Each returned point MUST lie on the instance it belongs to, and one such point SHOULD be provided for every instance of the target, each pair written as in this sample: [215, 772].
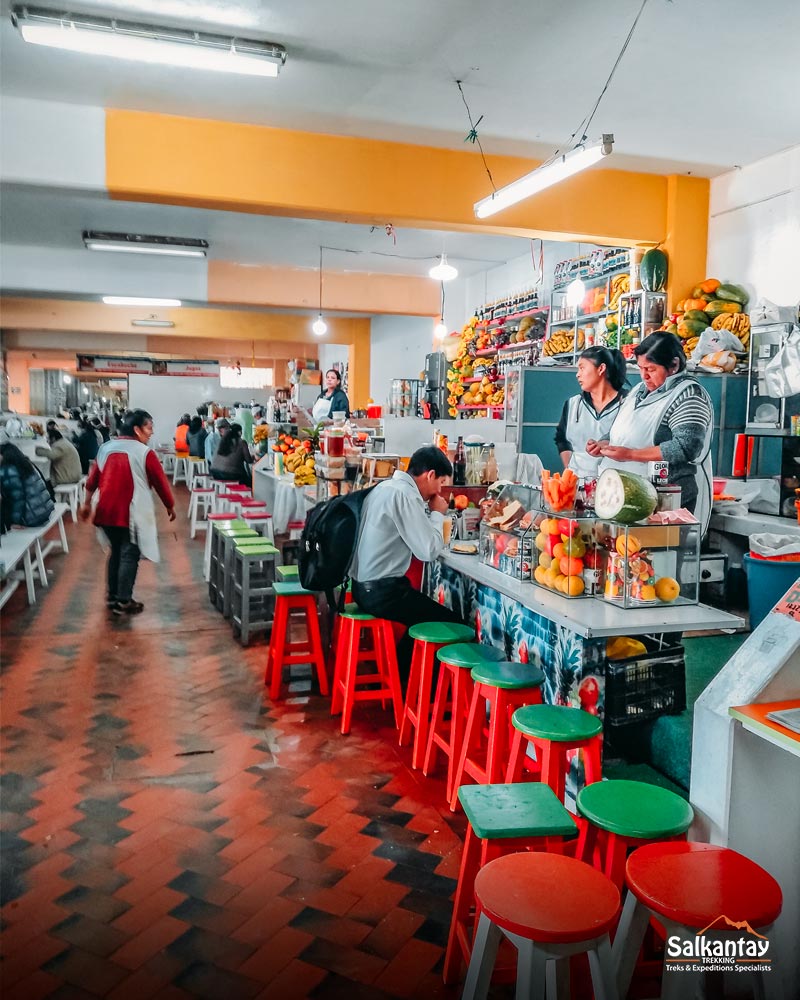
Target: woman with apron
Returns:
[332, 399]
[123, 475]
[588, 416]
[668, 417]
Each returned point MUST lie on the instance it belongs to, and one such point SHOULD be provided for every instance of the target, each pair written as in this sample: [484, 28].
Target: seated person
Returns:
[395, 537]
[65, 462]
[196, 438]
[26, 501]
[233, 458]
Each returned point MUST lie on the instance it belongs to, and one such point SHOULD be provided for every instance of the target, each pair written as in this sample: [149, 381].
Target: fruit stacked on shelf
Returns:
[561, 342]
[485, 392]
[620, 285]
[563, 554]
[712, 303]
[298, 458]
[474, 337]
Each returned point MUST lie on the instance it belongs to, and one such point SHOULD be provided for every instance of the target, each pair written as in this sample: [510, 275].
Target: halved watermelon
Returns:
[624, 496]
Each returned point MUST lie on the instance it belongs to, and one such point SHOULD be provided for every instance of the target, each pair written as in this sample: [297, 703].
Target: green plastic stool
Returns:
[501, 819]
[287, 573]
[290, 589]
[505, 686]
[554, 731]
[429, 638]
[624, 814]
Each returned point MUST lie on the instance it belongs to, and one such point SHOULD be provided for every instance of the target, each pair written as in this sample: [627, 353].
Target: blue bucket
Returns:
[767, 582]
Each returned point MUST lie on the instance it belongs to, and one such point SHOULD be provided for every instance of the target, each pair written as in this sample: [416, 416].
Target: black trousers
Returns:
[123, 564]
[397, 600]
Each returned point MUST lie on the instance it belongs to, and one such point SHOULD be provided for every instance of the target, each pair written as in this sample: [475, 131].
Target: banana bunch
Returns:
[737, 323]
[689, 345]
[560, 342]
[620, 284]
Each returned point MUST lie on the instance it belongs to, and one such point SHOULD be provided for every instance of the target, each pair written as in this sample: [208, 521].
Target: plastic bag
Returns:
[783, 548]
[712, 341]
[782, 373]
[768, 312]
[719, 361]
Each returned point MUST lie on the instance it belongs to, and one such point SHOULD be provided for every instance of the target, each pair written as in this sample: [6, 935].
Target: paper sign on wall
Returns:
[192, 368]
[115, 366]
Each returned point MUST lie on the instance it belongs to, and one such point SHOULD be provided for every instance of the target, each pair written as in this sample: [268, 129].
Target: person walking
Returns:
[85, 441]
[125, 472]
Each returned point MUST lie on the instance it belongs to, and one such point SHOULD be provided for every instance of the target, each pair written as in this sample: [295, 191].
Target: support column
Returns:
[686, 242]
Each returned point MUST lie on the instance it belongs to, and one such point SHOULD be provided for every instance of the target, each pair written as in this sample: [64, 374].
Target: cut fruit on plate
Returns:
[464, 548]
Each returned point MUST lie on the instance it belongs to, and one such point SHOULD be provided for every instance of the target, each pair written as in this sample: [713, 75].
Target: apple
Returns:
[550, 544]
[593, 559]
[567, 527]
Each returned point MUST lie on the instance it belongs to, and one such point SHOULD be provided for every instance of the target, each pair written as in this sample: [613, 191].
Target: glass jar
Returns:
[474, 463]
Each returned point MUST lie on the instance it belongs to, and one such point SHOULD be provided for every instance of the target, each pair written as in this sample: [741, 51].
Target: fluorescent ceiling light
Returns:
[135, 300]
[443, 271]
[564, 166]
[152, 322]
[149, 43]
[170, 246]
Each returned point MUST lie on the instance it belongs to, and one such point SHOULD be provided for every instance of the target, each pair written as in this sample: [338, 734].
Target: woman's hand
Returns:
[614, 452]
[85, 511]
[594, 448]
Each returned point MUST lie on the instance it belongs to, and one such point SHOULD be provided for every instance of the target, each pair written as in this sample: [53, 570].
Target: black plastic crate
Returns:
[644, 687]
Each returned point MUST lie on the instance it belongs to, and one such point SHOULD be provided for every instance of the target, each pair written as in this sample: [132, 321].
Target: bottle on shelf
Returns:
[460, 464]
[491, 473]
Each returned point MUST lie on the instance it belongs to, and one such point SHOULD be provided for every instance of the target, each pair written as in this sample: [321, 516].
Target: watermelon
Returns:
[624, 497]
[653, 271]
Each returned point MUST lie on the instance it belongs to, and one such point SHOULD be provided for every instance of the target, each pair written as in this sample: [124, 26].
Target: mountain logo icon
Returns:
[722, 922]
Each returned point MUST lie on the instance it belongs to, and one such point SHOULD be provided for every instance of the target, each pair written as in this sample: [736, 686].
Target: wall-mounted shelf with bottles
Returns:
[640, 314]
[574, 327]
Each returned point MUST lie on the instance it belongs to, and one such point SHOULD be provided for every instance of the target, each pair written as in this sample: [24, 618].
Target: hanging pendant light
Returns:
[319, 326]
[443, 271]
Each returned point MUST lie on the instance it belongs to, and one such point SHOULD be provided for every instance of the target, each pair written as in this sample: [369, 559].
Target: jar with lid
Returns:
[474, 466]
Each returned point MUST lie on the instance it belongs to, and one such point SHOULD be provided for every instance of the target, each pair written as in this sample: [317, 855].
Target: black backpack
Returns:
[328, 542]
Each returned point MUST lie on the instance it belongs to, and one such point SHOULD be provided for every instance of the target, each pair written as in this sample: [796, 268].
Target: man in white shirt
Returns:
[402, 521]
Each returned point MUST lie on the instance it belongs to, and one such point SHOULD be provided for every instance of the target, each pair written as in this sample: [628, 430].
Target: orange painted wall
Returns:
[18, 366]
[168, 159]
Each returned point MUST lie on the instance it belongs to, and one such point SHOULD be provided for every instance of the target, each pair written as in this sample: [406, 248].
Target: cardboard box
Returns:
[310, 377]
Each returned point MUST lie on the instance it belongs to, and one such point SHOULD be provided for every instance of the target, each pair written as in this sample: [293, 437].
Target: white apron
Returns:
[584, 425]
[321, 409]
[636, 426]
[142, 518]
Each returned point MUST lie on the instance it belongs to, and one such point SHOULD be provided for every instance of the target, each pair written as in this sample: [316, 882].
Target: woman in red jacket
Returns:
[124, 473]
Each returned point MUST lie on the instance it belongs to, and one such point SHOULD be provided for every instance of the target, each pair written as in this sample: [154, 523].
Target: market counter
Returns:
[592, 619]
[285, 501]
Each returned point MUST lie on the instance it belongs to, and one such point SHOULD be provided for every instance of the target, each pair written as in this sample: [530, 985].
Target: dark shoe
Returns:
[111, 603]
[128, 608]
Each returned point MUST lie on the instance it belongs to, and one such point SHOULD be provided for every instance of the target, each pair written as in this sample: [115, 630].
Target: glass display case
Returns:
[404, 396]
[566, 559]
[647, 565]
[768, 415]
[506, 531]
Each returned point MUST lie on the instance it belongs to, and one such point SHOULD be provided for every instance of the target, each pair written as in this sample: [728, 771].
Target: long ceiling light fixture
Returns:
[319, 326]
[140, 300]
[566, 165]
[149, 43]
[166, 246]
[443, 271]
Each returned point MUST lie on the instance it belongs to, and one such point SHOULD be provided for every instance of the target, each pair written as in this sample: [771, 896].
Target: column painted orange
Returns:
[250, 168]
[686, 241]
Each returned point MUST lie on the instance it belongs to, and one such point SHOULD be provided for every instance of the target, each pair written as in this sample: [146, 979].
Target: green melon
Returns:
[653, 271]
[624, 497]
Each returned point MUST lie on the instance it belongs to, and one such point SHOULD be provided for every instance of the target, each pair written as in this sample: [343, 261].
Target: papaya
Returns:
[690, 304]
[690, 328]
[721, 306]
[699, 315]
[732, 293]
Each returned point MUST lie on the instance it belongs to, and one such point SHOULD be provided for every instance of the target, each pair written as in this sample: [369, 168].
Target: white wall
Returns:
[168, 397]
[332, 354]
[754, 228]
[398, 348]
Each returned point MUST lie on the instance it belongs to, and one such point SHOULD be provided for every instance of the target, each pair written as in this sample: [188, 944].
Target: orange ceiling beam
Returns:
[250, 168]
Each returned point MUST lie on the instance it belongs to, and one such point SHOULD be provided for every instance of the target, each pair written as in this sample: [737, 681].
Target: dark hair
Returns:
[429, 459]
[131, 420]
[195, 425]
[13, 456]
[663, 349]
[337, 374]
[54, 435]
[616, 365]
[50, 423]
[230, 441]
[185, 419]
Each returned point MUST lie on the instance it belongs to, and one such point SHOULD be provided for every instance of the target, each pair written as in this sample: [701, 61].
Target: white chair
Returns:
[181, 473]
[69, 493]
[200, 506]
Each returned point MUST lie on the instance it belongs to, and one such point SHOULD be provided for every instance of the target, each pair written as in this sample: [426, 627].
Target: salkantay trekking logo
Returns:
[721, 952]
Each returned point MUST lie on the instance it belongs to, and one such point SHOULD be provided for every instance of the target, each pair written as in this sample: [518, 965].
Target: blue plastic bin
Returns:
[767, 582]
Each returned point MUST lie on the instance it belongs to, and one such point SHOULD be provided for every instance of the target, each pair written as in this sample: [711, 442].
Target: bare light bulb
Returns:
[575, 292]
[319, 326]
[440, 330]
[67, 379]
[443, 271]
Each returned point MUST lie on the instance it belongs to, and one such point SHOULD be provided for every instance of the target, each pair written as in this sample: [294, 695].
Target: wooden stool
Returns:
[252, 590]
[625, 814]
[230, 503]
[227, 539]
[223, 520]
[289, 598]
[554, 730]
[429, 637]
[69, 493]
[196, 467]
[550, 907]
[180, 472]
[501, 819]
[348, 684]
[484, 754]
[452, 701]
[260, 521]
[200, 507]
[687, 888]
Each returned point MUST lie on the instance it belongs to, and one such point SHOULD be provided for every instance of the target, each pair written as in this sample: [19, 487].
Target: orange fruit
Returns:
[570, 566]
[558, 551]
[667, 589]
[647, 593]
[574, 586]
[633, 545]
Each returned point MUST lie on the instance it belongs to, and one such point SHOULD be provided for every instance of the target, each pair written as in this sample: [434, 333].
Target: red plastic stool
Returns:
[550, 907]
[688, 887]
[619, 815]
[237, 488]
[506, 687]
[348, 684]
[452, 701]
[248, 504]
[554, 730]
[501, 819]
[429, 637]
[291, 597]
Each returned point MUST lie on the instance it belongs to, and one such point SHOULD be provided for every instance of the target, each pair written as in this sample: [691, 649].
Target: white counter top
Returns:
[750, 524]
[592, 618]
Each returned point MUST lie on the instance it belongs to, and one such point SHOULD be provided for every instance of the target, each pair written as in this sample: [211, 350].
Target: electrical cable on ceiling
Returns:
[401, 256]
[538, 267]
[472, 135]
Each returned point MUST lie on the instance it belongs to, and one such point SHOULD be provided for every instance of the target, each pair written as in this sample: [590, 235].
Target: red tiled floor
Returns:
[169, 832]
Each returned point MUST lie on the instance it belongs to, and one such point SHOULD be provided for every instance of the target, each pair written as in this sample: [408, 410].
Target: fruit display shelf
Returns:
[469, 381]
[495, 324]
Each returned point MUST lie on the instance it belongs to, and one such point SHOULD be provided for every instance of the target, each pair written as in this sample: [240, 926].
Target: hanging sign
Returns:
[193, 368]
[114, 366]
[789, 604]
